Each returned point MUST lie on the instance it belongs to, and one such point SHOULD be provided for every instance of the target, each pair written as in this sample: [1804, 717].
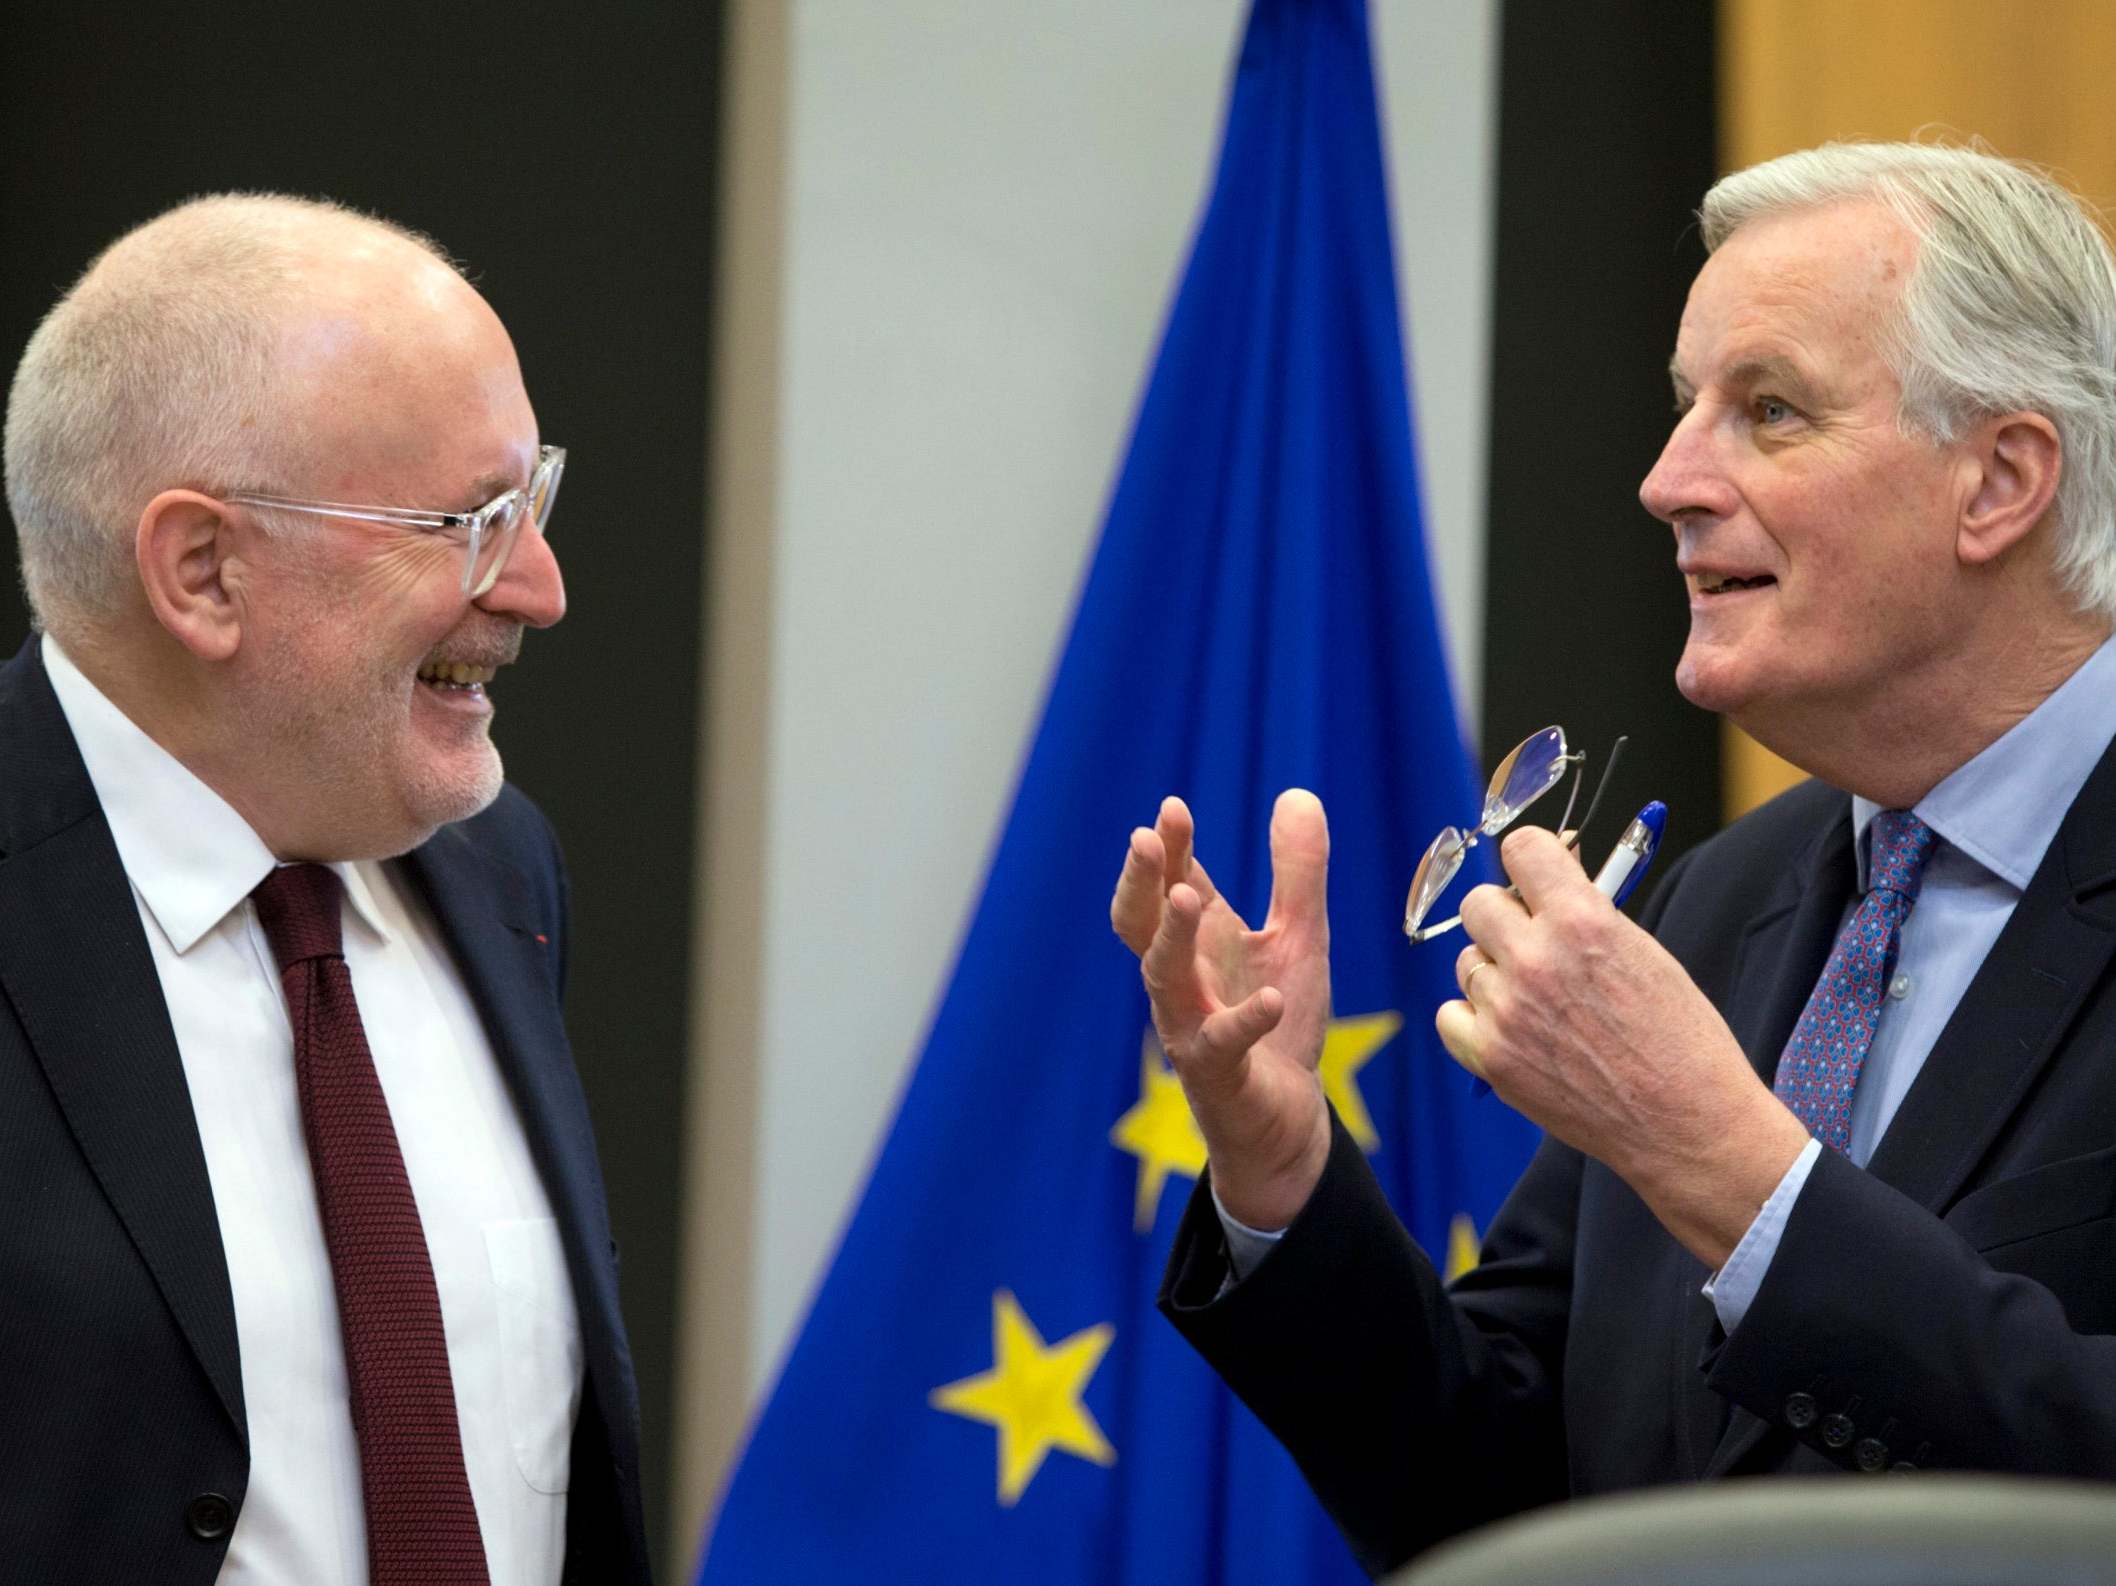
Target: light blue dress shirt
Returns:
[1995, 816]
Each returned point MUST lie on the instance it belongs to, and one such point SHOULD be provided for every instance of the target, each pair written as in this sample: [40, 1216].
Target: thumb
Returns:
[1225, 1038]
[1300, 863]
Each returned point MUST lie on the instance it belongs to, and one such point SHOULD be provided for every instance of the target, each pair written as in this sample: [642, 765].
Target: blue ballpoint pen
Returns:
[1621, 872]
[1626, 865]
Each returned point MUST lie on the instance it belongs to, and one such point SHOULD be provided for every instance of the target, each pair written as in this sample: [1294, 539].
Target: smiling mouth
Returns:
[1728, 585]
[456, 677]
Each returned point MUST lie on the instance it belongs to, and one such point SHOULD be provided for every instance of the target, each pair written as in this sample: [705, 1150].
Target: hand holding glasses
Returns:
[1535, 766]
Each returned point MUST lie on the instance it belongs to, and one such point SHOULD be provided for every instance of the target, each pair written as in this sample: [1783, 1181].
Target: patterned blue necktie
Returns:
[1820, 1068]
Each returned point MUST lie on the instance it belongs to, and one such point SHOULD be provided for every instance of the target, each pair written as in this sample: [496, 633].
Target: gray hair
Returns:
[158, 369]
[2011, 308]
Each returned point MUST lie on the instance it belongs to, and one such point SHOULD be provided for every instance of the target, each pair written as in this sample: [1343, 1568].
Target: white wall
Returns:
[978, 217]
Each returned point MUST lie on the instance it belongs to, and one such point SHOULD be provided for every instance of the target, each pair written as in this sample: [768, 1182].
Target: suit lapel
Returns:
[1781, 957]
[1785, 949]
[2053, 951]
[77, 970]
[487, 913]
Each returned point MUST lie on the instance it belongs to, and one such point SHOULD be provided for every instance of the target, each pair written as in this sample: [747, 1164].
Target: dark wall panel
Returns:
[566, 154]
[1606, 117]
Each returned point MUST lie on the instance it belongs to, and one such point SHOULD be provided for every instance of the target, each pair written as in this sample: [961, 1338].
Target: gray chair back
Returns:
[1923, 1530]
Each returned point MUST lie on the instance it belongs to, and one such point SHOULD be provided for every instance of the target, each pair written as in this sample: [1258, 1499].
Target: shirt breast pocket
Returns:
[539, 1347]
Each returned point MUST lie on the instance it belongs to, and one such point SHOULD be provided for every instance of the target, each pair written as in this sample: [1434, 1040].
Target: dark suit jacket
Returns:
[121, 1395]
[1948, 1306]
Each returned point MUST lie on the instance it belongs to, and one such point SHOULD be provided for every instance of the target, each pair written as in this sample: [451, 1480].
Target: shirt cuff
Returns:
[1733, 1287]
[1246, 1246]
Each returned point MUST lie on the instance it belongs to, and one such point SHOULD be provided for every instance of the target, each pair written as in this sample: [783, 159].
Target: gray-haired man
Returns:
[1831, 1168]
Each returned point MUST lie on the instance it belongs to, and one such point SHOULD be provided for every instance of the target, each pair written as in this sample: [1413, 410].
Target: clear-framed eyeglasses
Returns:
[489, 532]
[1534, 766]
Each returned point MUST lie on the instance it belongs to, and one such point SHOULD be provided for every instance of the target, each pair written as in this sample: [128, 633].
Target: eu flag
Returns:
[983, 1391]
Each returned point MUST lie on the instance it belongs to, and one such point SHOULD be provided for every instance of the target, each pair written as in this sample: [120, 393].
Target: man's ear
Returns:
[184, 545]
[2019, 457]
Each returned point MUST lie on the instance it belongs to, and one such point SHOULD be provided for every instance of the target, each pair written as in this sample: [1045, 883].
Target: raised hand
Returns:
[1240, 1013]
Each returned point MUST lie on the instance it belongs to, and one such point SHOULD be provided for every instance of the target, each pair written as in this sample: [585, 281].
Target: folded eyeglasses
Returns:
[1534, 766]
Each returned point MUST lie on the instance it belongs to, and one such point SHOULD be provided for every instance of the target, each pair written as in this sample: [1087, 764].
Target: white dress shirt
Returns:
[506, 1302]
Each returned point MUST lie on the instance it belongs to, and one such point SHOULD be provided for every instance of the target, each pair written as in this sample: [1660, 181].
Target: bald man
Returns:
[308, 1274]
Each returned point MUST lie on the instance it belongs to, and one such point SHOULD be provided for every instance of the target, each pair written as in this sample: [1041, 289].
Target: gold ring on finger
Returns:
[1469, 981]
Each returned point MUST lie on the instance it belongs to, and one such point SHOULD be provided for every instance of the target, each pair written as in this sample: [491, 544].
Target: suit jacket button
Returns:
[1800, 1411]
[1837, 1430]
[1871, 1454]
[210, 1516]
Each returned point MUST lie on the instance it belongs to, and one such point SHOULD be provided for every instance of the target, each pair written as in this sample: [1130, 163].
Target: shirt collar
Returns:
[188, 854]
[2002, 808]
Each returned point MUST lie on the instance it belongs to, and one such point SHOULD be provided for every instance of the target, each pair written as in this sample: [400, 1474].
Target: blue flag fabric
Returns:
[983, 1390]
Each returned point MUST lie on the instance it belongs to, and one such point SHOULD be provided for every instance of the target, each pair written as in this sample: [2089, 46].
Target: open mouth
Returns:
[1726, 584]
[455, 677]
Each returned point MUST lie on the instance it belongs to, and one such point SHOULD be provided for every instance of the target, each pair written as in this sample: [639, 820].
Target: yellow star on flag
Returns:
[1032, 1394]
[1347, 1046]
[1461, 1246]
[1159, 1131]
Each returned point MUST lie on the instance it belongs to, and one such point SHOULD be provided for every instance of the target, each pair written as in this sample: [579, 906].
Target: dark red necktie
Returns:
[422, 1526]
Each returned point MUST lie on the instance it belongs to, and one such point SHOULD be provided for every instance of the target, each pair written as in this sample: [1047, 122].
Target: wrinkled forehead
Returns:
[1816, 290]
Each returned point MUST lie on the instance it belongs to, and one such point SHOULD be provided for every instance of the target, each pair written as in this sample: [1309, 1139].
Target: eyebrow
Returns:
[1768, 369]
[485, 488]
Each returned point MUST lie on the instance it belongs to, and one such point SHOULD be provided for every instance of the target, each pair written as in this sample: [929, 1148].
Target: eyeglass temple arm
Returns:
[406, 517]
[1601, 786]
[1426, 933]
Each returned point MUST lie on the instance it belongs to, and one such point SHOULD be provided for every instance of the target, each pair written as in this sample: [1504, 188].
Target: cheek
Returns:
[1839, 536]
[407, 599]
[410, 570]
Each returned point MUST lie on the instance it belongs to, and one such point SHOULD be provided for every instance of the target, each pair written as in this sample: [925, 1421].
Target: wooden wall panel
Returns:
[2033, 81]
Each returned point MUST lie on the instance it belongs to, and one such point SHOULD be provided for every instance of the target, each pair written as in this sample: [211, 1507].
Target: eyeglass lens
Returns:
[490, 548]
[543, 488]
[1531, 769]
[1525, 775]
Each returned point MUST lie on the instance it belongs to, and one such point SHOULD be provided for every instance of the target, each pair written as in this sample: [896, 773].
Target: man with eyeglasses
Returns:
[306, 1275]
[1830, 1182]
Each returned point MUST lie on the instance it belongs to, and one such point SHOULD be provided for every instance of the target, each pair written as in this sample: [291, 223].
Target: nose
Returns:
[530, 588]
[1688, 478]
